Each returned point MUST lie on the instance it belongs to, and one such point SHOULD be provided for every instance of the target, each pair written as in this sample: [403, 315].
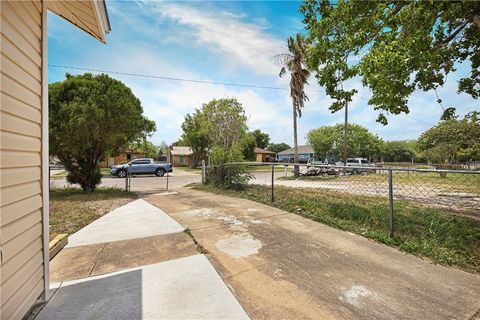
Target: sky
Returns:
[231, 42]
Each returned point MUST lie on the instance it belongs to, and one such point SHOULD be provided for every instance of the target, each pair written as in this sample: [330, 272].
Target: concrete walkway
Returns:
[187, 288]
[137, 219]
[136, 263]
[283, 266]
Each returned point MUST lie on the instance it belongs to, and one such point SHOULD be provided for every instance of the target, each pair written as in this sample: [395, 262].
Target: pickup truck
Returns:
[358, 162]
[141, 166]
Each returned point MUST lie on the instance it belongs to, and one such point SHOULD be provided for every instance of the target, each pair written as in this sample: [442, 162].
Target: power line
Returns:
[232, 84]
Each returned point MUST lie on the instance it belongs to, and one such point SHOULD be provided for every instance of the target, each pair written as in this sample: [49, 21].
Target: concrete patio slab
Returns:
[281, 265]
[135, 220]
[186, 288]
[85, 261]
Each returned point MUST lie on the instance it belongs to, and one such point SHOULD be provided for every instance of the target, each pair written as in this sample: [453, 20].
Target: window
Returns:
[140, 162]
[181, 159]
[364, 161]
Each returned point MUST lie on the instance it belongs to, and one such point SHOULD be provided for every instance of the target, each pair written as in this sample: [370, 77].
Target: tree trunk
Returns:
[296, 169]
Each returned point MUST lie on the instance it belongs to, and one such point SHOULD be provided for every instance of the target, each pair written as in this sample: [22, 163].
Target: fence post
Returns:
[390, 202]
[273, 184]
[167, 180]
[203, 171]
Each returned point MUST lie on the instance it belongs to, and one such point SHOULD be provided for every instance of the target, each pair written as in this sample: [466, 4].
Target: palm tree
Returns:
[295, 62]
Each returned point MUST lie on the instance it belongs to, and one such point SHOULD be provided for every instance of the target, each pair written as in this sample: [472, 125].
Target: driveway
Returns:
[280, 265]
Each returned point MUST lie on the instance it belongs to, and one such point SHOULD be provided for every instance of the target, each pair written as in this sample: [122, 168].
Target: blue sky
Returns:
[223, 41]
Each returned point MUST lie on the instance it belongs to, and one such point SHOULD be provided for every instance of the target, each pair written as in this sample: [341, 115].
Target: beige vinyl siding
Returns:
[22, 278]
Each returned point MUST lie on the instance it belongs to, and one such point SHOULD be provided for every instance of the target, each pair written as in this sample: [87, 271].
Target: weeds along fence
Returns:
[373, 194]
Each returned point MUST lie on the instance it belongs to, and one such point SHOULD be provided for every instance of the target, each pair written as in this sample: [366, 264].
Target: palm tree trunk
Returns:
[296, 169]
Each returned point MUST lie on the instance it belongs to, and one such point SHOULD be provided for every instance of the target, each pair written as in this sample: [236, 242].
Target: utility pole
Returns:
[345, 138]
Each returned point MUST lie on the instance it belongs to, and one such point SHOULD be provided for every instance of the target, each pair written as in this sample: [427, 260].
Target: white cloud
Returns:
[239, 42]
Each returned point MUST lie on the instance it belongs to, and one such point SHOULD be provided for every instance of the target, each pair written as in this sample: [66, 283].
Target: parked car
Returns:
[141, 166]
[358, 162]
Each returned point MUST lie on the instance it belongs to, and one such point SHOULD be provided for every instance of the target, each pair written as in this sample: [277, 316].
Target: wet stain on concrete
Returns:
[239, 246]
[355, 295]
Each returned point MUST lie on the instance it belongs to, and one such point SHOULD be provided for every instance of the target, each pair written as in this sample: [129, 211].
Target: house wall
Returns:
[301, 156]
[187, 160]
[21, 199]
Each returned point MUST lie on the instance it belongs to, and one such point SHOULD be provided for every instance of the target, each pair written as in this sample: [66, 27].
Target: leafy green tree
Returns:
[295, 62]
[144, 146]
[227, 130]
[163, 150]
[262, 139]
[328, 141]
[196, 133]
[396, 47]
[248, 144]
[90, 117]
[453, 140]
[278, 147]
[399, 151]
[227, 125]
[179, 143]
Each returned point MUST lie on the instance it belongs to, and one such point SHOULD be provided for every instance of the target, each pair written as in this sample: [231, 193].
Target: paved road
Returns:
[283, 266]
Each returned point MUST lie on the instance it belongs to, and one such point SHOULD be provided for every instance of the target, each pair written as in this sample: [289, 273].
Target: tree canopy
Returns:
[400, 151]
[278, 147]
[196, 135]
[227, 125]
[453, 140]
[90, 116]
[218, 127]
[395, 47]
[262, 139]
[328, 141]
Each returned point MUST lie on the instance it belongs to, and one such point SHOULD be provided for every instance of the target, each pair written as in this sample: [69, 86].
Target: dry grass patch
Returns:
[73, 209]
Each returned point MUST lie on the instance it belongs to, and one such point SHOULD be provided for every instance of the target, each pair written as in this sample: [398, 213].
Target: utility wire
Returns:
[172, 78]
[232, 84]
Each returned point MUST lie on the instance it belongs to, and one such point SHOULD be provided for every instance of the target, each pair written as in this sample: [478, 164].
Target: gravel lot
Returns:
[438, 196]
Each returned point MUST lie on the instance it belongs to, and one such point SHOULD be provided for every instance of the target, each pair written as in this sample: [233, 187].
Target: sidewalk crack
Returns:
[96, 260]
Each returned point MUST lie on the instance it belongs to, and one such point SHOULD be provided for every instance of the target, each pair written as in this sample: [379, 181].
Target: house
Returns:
[181, 156]
[124, 157]
[304, 154]
[262, 155]
[24, 156]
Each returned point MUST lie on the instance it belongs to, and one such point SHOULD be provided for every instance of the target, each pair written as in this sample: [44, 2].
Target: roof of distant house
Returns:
[301, 150]
[181, 151]
[262, 151]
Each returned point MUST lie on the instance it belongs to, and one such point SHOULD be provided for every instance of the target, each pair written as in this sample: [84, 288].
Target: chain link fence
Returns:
[139, 183]
[357, 192]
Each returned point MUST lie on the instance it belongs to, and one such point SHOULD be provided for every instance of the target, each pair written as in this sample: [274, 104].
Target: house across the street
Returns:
[181, 156]
[304, 154]
[262, 155]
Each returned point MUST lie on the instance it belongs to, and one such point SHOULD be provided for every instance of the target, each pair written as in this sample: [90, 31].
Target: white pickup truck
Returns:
[358, 162]
[141, 166]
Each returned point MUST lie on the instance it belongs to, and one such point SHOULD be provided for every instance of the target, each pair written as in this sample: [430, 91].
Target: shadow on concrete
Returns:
[112, 297]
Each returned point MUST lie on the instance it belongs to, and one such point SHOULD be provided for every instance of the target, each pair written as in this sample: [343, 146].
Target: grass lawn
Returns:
[427, 232]
[72, 209]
